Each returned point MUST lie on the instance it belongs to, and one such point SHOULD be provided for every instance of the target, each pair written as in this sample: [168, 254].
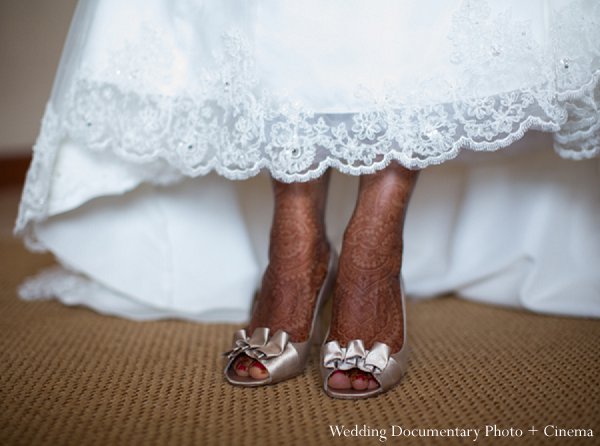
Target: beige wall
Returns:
[32, 34]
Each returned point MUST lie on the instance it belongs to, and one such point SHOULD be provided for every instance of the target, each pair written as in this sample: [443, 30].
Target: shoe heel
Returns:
[322, 323]
[323, 319]
[320, 331]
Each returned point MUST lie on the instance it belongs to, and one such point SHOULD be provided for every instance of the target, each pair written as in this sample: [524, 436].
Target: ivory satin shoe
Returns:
[282, 358]
[387, 368]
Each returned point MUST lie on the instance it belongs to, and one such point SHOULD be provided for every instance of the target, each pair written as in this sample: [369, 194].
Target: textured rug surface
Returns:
[69, 376]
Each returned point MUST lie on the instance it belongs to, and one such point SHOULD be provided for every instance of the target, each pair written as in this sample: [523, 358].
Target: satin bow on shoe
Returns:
[258, 346]
[355, 355]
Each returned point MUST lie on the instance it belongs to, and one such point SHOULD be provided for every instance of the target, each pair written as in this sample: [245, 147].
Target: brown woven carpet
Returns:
[69, 376]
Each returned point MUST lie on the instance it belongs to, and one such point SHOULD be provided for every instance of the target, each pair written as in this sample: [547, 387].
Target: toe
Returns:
[359, 380]
[258, 371]
[373, 384]
[241, 365]
[339, 380]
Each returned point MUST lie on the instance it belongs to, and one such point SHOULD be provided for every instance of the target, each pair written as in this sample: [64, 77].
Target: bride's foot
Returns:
[367, 301]
[298, 262]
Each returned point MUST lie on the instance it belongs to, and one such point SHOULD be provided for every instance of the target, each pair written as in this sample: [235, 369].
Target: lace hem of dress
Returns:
[240, 134]
[294, 145]
[301, 146]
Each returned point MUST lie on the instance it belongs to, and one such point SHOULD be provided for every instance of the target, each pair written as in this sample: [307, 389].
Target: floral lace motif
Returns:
[234, 126]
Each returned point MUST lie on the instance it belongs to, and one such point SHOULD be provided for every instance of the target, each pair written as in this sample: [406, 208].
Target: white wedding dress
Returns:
[158, 104]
